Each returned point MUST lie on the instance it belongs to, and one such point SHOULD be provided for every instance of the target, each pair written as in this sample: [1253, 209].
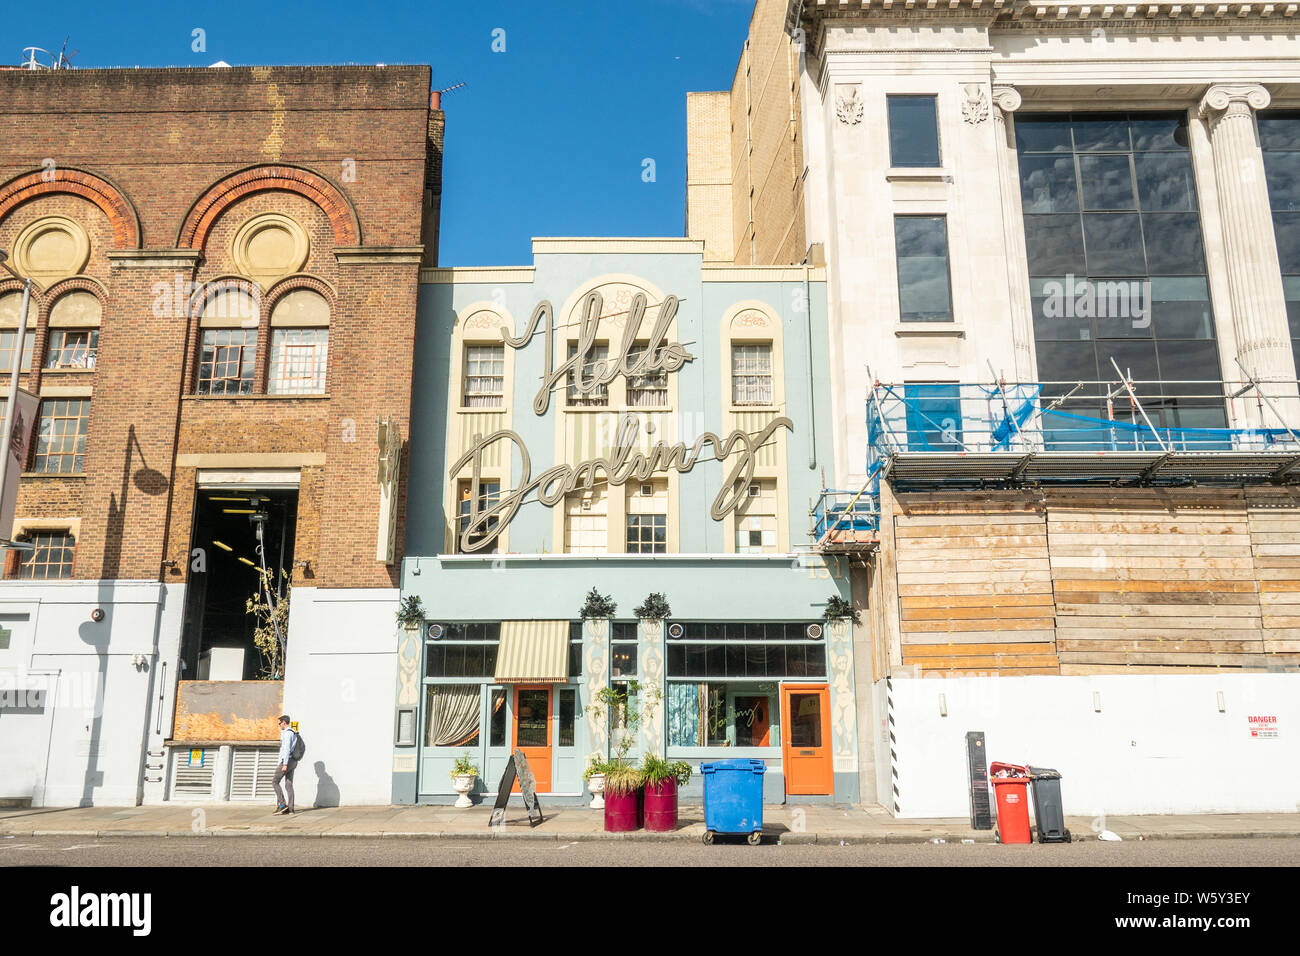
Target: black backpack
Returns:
[299, 748]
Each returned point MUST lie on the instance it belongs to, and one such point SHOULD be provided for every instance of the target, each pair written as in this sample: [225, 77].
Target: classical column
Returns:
[1007, 101]
[1254, 278]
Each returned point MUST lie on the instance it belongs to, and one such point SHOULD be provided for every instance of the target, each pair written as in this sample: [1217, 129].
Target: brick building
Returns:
[227, 261]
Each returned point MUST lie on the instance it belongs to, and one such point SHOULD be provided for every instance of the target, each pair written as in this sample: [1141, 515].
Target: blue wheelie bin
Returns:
[733, 798]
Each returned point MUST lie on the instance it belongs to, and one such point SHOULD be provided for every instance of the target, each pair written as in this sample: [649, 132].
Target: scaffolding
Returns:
[1121, 432]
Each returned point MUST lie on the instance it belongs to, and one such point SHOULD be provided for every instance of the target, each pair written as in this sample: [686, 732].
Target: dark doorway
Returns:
[226, 558]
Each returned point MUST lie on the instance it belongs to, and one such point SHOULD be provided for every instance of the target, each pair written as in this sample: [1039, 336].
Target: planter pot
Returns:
[661, 806]
[463, 783]
[596, 785]
[623, 811]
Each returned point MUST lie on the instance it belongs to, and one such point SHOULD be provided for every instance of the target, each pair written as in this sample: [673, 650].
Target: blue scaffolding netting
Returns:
[1052, 422]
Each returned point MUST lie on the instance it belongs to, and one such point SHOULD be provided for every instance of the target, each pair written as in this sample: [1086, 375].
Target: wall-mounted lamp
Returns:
[943, 706]
[1096, 701]
[172, 566]
[1219, 695]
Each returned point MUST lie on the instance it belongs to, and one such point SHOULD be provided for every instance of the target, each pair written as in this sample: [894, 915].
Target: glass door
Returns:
[532, 732]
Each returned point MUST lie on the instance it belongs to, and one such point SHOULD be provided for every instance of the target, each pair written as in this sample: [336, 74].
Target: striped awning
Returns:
[533, 652]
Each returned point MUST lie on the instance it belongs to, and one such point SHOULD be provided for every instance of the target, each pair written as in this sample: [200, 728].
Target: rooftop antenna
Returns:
[435, 96]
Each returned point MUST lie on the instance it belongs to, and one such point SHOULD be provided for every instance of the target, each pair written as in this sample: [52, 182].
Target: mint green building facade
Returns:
[658, 426]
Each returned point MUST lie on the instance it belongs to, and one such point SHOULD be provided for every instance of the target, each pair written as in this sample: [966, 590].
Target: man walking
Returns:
[287, 764]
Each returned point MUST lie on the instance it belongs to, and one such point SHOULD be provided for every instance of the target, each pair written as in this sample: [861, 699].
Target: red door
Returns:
[532, 732]
[806, 739]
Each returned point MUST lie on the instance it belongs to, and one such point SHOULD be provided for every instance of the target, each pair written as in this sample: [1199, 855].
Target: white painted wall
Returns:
[86, 745]
[1158, 745]
[340, 685]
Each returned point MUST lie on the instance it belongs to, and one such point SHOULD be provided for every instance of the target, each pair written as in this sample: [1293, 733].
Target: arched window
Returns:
[74, 332]
[10, 304]
[228, 347]
[300, 337]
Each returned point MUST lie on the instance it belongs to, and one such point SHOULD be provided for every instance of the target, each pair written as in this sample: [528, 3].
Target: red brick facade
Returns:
[160, 168]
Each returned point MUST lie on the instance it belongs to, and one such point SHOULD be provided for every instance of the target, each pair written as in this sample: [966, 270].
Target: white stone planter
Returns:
[596, 784]
[463, 783]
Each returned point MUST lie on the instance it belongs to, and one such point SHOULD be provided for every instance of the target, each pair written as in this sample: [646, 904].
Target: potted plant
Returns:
[594, 778]
[622, 794]
[623, 797]
[661, 782]
[462, 779]
[410, 613]
[654, 608]
[597, 605]
[838, 609]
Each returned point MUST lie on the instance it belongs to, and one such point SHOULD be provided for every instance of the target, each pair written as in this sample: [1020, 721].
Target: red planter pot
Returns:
[622, 811]
[661, 806]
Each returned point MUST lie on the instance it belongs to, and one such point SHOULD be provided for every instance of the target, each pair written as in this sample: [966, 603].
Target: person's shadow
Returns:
[327, 791]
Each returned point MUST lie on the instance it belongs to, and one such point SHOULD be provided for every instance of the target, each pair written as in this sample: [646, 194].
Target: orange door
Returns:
[532, 734]
[806, 738]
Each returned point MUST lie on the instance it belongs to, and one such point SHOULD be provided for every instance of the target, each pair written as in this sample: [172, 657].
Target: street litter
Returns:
[1110, 837]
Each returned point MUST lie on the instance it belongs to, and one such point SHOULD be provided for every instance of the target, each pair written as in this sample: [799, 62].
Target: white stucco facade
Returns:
[986, 63]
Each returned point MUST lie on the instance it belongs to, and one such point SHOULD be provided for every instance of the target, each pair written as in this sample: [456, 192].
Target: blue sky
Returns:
[548, 138]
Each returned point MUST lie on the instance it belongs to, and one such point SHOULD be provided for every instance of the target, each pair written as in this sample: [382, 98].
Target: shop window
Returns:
[451, 715]
[568, 717]
[485, 376]
[497, 718]
[226, 361]
[586, 522]
[460, 660]
[61, 441]
[756, 520]
[647, 518]
[751, 373]
[597, 361]
[913, 131]
[753, 650]
[719, 714]
[575, 649]
[645, 391]
[50, 558]
[299, 358]
[924, 293]
[489, 495]
[72, 348]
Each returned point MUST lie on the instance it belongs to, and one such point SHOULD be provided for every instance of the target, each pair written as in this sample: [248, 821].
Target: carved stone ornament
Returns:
[849, 106]
[974, 104]
[1228, 98]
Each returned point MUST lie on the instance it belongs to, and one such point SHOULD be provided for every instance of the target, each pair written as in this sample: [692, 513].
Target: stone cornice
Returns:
[154, 258]
[378, 255]
[1041, 14]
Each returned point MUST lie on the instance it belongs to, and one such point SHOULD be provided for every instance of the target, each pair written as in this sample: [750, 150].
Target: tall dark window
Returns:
[913, 131]
[923, 289]
[1116, 263]
[1279, 136]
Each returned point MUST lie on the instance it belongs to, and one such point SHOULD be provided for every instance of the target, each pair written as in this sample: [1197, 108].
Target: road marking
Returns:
[84, 846]
[565, 846]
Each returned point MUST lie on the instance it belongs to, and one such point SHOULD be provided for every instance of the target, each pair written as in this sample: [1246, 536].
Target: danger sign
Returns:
[1262, 726]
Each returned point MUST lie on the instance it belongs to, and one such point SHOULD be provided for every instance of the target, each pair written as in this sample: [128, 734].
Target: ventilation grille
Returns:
[190, 781]
[251, 772]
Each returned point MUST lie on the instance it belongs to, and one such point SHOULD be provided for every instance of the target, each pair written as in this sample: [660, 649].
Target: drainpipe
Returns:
[812, 418]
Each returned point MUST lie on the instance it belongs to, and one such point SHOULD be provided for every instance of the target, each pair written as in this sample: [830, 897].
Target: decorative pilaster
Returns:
[1007, 100]
[650, 671]
[1254, 279]
[595, 667]
[844, 720]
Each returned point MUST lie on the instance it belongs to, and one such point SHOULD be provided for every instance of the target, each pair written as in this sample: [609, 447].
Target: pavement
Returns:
[822, 824]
